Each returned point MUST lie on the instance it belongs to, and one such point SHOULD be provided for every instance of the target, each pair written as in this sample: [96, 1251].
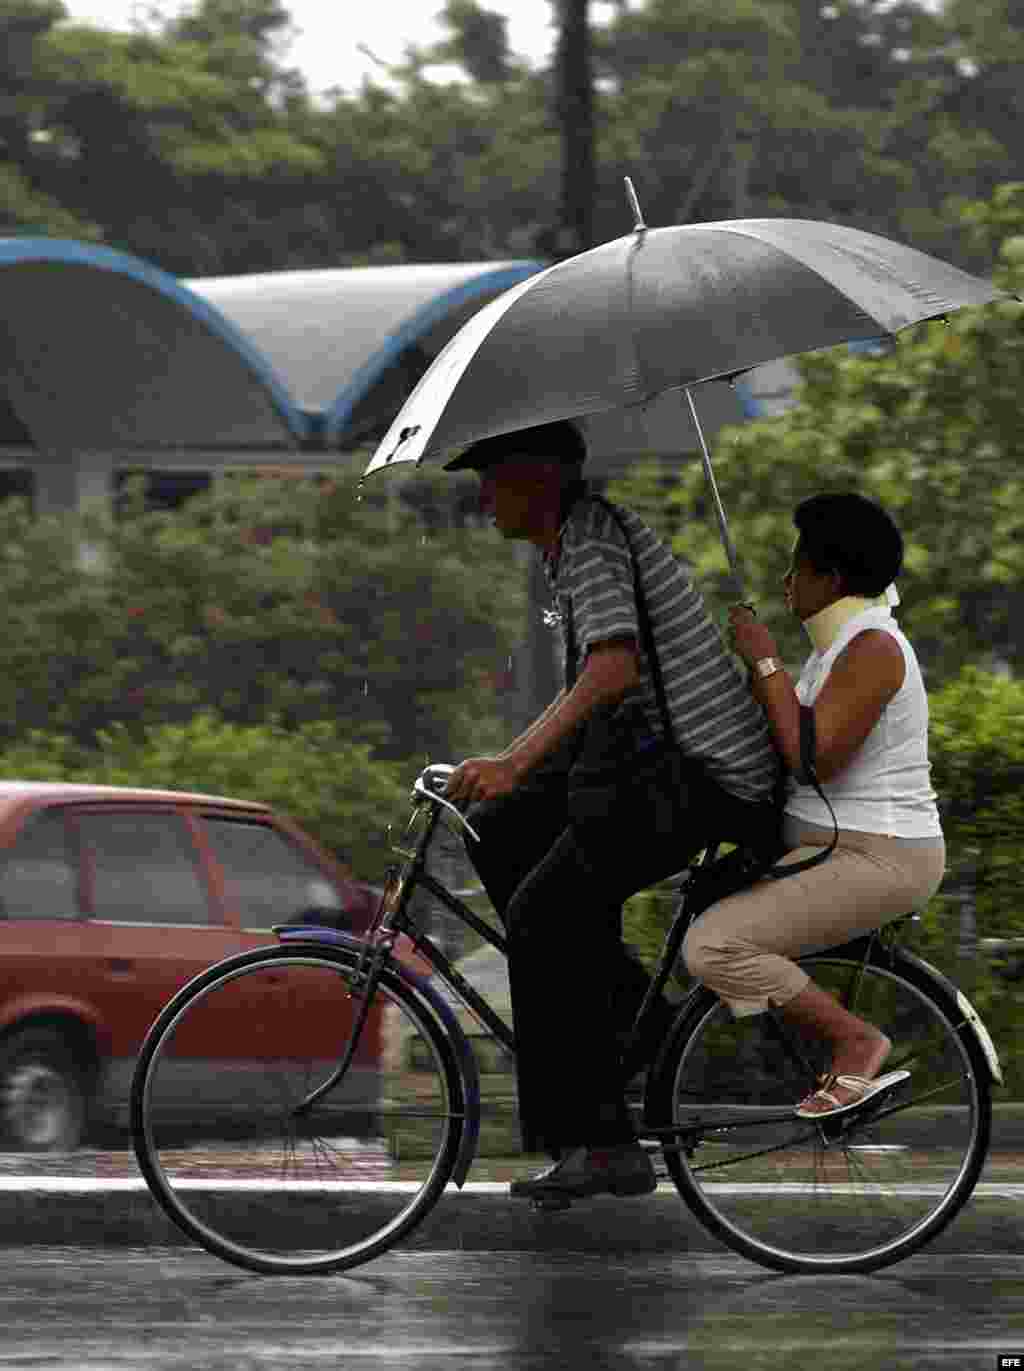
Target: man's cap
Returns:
[557, 442]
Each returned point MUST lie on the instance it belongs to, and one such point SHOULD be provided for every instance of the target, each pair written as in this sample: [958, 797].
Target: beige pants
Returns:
[741, 947]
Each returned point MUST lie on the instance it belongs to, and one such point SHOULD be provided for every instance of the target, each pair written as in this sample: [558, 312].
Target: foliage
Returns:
[977, 741]
[977, 749]
[192, 142]
[260, 603]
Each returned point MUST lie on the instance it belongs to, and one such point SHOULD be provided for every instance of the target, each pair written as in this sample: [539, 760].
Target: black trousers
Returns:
[559, 888]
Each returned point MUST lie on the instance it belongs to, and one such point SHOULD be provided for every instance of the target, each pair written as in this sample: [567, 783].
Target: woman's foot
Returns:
[858, 1047]
[861, 1056]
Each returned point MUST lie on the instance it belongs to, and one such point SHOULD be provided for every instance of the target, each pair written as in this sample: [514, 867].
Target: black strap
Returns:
[808, 768]
[643, 621]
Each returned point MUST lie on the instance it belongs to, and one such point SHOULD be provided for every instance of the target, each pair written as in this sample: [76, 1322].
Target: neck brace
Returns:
[822, 628]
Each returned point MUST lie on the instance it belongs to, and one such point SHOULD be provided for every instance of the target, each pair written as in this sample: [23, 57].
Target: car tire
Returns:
[43, 1097]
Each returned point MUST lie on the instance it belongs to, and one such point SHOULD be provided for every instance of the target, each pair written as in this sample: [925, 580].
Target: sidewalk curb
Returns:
[70, 1212]
[97, 1210]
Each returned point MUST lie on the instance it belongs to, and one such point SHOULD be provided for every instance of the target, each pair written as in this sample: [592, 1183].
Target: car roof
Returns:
[66, 792]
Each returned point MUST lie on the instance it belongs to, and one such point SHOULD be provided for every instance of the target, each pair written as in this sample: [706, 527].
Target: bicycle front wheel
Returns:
[839, 1197]
[234, 1161]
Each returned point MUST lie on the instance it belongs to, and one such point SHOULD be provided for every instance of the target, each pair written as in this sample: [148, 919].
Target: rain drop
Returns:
[508, 666]
[366, 687]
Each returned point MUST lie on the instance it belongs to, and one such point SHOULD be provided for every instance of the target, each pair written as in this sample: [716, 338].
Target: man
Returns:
[559, 883]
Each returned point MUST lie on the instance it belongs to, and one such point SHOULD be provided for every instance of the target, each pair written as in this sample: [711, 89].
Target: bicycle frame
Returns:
[393, 919]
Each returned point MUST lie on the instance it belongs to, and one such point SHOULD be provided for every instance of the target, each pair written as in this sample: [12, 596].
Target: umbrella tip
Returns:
[634, 204]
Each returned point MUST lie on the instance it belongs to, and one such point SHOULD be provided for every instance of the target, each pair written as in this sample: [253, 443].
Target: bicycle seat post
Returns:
[681, 921]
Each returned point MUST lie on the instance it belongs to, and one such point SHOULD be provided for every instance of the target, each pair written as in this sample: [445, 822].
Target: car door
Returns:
[150, 923]
[269, 879]
[47, 957]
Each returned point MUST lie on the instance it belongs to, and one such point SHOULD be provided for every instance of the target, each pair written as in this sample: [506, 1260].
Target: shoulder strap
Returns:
[643, 621]
[808, 767]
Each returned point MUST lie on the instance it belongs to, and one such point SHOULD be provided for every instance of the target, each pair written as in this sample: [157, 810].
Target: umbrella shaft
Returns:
[723, 525]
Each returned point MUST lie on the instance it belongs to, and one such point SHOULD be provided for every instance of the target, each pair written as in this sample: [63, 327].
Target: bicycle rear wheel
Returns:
[214, 1116]
[800, 1196]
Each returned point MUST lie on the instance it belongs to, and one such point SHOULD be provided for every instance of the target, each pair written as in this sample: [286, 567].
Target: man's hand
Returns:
[481, 778]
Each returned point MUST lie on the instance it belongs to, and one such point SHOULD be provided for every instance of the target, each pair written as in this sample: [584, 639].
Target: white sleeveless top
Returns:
[886, 787]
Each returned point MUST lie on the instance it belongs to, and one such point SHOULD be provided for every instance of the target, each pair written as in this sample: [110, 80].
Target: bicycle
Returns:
[330, 1147]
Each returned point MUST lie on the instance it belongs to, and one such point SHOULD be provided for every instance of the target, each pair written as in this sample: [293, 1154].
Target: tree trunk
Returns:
[575, 108]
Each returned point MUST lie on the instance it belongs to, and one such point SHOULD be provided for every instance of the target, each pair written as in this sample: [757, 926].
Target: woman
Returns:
[871, 721]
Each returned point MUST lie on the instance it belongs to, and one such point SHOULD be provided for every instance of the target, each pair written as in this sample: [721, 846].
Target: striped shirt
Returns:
[714, 716]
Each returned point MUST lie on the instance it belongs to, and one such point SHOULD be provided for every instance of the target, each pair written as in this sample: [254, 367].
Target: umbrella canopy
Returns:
[663, 309]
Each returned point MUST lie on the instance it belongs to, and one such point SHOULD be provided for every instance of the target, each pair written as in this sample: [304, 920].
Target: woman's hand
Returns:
[748, 637]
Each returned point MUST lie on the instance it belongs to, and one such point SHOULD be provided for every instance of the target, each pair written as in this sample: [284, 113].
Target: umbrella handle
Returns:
[736, 574]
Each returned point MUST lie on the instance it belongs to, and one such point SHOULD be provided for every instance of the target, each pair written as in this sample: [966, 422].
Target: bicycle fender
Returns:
[971, 1016]
[464, 1054]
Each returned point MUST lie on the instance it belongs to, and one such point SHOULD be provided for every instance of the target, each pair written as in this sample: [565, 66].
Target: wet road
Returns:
[172, 1309]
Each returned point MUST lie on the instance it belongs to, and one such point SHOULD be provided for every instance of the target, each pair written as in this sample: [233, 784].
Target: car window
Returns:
[269, 879]
[144, 869]
[38, 876]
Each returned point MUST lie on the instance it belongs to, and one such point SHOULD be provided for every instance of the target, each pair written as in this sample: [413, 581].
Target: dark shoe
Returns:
[583, 1172]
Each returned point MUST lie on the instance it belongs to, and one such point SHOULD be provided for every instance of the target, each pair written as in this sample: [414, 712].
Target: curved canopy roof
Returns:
[102, 351]
[334, 335]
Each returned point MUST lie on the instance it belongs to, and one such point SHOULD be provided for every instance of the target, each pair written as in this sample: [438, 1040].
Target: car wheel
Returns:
[43, 1101]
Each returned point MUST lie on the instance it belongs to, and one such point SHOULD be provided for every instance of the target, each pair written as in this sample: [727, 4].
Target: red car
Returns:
[110, 899]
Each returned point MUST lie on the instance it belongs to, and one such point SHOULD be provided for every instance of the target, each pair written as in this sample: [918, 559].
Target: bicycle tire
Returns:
[227, 1159]
[768, 1184]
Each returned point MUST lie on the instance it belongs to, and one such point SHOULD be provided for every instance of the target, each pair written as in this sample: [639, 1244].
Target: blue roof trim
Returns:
[73, 253]
[420, 323]
[749, 403]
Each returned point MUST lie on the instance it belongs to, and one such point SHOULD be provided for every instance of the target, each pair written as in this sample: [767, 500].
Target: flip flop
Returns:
[864, 1089]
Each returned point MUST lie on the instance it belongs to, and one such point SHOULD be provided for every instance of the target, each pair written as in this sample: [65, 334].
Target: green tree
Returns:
[182, 144]
[194, 143]
[479, 42]
[25, 146]
[261, 603]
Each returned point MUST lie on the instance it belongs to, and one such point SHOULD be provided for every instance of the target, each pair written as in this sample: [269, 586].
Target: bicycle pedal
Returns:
[836, 1130]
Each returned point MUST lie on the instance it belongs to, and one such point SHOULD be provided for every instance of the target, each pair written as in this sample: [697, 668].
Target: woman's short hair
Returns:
[852, 535]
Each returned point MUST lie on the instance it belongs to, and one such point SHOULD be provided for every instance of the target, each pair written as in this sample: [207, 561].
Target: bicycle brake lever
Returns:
[431, 777]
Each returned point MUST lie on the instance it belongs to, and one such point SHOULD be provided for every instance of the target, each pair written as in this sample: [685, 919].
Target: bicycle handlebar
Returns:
[430, 785]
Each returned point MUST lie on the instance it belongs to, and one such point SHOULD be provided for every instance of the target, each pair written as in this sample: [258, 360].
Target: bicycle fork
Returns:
[364, 986]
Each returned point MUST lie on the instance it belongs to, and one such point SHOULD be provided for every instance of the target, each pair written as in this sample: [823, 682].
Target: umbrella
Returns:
[665, 309]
